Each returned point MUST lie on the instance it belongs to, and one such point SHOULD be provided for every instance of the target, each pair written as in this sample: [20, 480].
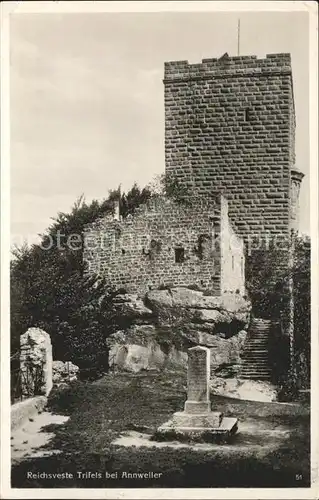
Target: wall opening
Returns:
[155, 248]
[179, 254]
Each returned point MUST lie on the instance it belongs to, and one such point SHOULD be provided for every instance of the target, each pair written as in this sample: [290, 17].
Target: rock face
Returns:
[64, 372]
[35, 362]
[163, 325]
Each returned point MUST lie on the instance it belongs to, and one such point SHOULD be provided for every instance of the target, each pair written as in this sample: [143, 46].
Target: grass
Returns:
[100, 411]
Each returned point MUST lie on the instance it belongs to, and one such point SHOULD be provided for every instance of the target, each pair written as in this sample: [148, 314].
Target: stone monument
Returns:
[198, 422]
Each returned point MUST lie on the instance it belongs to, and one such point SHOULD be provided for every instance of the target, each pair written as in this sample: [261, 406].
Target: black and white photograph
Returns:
[159, 251]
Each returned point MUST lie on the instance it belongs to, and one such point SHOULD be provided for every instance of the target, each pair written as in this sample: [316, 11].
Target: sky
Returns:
[87, 99]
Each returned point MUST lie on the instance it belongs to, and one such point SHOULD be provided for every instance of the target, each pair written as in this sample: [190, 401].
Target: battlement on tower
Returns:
[230, 127]
[227, 66]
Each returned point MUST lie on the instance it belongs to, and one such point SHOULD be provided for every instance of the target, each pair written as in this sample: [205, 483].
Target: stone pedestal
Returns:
[197, 422]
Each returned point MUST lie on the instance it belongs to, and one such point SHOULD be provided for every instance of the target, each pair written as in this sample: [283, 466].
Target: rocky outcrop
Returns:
[64, 373]
[163, 325]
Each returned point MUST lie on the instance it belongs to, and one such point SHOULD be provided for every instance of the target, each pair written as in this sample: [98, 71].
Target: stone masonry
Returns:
[230, 127]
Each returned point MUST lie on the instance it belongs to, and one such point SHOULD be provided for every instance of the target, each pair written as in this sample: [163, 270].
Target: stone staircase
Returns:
[255, 364]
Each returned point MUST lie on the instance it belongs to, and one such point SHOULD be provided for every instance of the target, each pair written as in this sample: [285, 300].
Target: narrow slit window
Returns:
[179, 255]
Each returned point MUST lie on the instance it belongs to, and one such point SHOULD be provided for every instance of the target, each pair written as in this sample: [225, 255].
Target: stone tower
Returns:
[230, 127]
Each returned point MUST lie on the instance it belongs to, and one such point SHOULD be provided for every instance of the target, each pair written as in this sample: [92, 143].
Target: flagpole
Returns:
[238, 37]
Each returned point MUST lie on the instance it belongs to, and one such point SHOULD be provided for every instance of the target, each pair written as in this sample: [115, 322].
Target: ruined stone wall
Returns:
[229, 126]
[163, 243]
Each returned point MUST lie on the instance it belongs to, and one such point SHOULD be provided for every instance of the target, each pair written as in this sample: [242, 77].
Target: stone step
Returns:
[255, 374]
[261, 349]
[252, 353]
[255, 362]
[258, 334]
[248, 363]
[259, 329]
[253, 359]
[257, 339]
[256, 351]
[253, 344]
[255, 368]
[261, 320]
[258, 361]
[256, 348]
[260, 323]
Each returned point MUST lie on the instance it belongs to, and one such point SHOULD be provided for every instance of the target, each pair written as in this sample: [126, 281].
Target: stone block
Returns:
[209, 432]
